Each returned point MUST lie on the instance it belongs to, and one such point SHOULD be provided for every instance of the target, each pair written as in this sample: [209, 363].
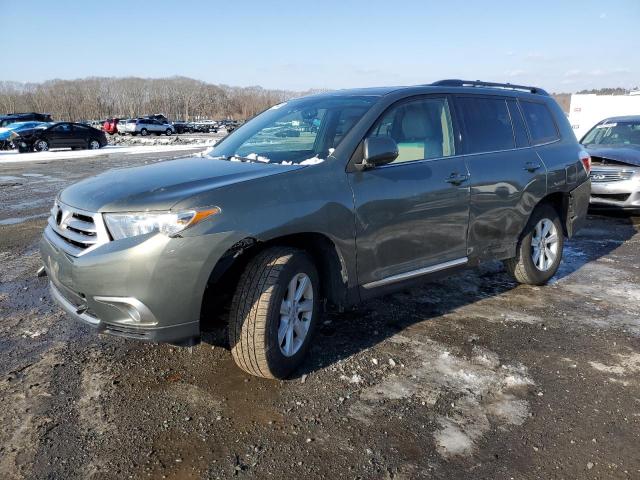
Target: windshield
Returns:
[303, 131]
[8, 121]
[613, 133]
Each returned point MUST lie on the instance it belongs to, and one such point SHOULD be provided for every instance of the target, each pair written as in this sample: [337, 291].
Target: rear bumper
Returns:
[577, 207]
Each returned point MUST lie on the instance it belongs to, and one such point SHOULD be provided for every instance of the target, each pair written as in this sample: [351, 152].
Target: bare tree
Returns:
[179, 98]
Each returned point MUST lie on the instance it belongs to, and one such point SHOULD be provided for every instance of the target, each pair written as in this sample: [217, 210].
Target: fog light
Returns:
[136, 313]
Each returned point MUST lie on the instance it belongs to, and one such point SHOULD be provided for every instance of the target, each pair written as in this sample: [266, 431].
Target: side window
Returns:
[487, 124]
[421, 128]
[63, 127]
[519, 129]
[542, 128]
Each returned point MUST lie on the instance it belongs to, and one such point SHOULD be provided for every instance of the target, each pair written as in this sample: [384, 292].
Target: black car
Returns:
[158, 116]
[183, 127]
[24, 117]
[61, 135]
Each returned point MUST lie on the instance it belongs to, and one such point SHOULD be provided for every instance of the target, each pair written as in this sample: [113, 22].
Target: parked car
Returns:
[158, 116]
[60, 135]
[110, 125]
[205, 126]
[183, 127]
[614, 146]
[24, 117]
[145, 126]
[419, 181]
[11, 131]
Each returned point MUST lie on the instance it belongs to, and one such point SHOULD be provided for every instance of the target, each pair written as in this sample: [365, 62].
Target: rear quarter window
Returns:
[487, 124]
[542, 127]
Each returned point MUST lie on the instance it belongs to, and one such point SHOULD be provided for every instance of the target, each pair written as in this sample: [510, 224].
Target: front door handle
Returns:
[532, 166]
[457, 178]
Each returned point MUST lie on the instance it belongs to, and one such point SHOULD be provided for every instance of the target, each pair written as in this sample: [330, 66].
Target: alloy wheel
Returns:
[296, 311]
[544, 244]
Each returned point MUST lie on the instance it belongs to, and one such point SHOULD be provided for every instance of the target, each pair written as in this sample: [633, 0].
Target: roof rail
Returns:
[480, 83]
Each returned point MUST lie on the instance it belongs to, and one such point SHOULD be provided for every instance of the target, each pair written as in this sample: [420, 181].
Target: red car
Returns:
[111, 125]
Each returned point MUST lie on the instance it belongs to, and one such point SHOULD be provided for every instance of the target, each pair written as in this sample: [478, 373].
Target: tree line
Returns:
[97, 98]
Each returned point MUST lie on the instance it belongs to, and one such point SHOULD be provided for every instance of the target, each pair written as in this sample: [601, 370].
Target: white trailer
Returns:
[588, 109]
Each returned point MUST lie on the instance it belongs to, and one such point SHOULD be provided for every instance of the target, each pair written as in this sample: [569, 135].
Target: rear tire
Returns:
[539, 251]
[274, 312]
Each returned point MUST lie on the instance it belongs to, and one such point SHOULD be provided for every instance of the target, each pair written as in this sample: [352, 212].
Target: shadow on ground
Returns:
[341, 335]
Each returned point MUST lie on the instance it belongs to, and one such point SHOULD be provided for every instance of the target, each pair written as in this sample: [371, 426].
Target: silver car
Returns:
[614, 146]
[146, 126]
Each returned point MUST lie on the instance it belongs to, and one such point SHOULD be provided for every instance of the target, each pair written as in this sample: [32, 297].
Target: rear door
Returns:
[508, 178]
[81, 136]
[412, 214]
[155, 126]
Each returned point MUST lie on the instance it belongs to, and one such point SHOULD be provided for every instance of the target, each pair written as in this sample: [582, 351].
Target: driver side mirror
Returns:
[379, 151]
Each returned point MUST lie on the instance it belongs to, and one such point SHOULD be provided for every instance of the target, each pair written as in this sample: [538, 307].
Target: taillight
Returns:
[585, 158]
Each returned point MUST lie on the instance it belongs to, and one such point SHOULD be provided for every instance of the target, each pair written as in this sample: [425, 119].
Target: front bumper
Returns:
[149, 287]
[123, 328]
[623, 194]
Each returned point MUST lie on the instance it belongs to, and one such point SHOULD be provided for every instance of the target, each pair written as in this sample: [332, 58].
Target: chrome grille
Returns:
[75, 231]
[610, 175]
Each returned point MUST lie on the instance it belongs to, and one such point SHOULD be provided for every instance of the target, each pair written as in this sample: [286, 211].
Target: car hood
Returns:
[627, 154]
[162, 185]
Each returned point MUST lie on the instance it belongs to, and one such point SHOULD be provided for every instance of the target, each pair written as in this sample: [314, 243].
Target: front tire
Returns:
[94, 145]
[539, 251]
[144, 132]
[41, 146]
[168, 132]
[274, 312]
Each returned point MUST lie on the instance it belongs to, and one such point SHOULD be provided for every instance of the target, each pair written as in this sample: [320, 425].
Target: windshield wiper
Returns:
[252, 158]
[243, 159]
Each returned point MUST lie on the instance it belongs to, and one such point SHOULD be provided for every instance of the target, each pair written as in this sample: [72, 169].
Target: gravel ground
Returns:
[467, 377]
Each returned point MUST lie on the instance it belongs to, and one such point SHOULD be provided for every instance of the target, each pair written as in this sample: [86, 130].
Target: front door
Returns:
[412, 214]
[60, 136]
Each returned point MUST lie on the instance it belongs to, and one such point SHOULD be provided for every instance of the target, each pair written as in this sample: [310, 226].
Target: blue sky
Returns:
[559, 45]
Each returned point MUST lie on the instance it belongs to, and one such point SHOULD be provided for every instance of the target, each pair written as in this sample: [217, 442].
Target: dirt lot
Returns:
[469, 377]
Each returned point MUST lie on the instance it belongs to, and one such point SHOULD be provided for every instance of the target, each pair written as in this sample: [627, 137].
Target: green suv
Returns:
[319, 202]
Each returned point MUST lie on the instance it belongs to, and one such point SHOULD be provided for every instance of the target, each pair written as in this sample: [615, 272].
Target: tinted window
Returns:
[487, 124]
[421, 128]
[519, 129]
[63, 127]
[542, 128]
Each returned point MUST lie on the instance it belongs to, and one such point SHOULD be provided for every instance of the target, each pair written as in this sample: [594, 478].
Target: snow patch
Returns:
[488, 394]
[628, 364]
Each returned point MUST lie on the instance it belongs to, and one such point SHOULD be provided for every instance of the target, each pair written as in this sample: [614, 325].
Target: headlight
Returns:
[123, 225]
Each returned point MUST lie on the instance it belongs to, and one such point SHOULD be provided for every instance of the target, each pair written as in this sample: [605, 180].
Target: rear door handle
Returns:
[457, 178]
[532, 166]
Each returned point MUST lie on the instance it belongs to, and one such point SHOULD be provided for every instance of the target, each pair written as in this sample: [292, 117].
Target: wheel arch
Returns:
[560, 202]
[326, 256]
